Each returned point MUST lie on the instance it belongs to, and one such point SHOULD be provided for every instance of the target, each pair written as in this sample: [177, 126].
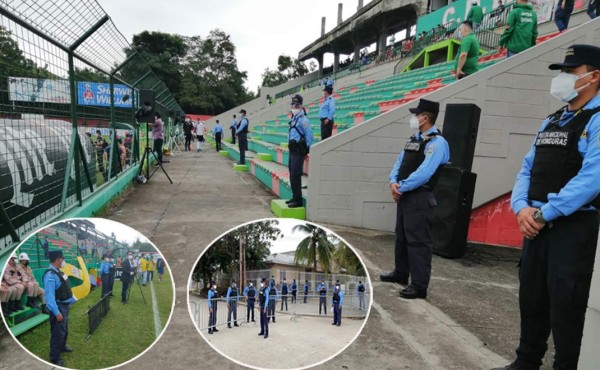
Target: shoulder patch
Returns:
[430, 149]
[584, 134]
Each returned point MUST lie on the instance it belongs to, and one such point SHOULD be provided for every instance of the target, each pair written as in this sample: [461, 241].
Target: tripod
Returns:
[172, 143]
[146, 160]
[137, 279]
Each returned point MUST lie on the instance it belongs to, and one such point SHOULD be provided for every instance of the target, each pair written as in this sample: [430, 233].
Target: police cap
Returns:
[297, 99]
[578, 55]
[53, 255]
[426, 106]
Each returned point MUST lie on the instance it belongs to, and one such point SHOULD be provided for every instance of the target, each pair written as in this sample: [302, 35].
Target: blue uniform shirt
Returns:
[51, 283]
[437, 153]
[243, 124]
[341, 297]
[294, 287]
[267, 296]
[358, 289]
[211, 294]
[245, 291]
[327, 109]
[234, 299]
[233, 123]
[329, 81]
[303, 125]
[218, 129]
[582, 189]
[321, 286]
[104, 268]
[275, 290]
[305, 287]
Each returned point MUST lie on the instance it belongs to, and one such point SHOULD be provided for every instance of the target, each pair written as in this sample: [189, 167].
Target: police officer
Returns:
[284, 293]
[555, 198]
[242, 133]
[111, 276]
[127, 275]
[322, 288]
[212, 308]
[263, 302]
[326, 112]
[273, 297]
[300, 138]
[59, 299]
[218, 134]
[35, 291]
[232, 302]
[411, 182]
[104, 275]
[233, 128]
[294, 290]
[250, 294]
[360, 291]
[305, 290]
[338, 300]
[13, 278]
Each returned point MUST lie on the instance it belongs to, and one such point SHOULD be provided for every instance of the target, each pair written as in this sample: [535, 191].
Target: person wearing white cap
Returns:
[34, 291]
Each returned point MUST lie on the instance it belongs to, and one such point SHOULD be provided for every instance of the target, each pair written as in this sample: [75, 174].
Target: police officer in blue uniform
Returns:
[212, 308]
[300, 138]
[556, 198]
[305, 290]
[273, 297]
[263, 304]
[218, 134]
[326, 112]
[233, 128]
[250, 294]
[59, 299]
[232, 302]
[322, 288]
[105, 275]
[284, 293]
[337, 301]
[360, 291]
[242, 133]
[412, 179]
[294, 290]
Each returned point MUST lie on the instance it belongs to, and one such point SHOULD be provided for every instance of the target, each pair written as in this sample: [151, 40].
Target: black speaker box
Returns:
[461, 123]
[147, 104]
[454, 195]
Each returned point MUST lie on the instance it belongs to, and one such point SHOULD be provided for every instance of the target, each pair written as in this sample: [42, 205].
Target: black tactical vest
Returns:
[336, 296]
[234, 293]
[272, 291]
[251, 293]
[323, 290]
[262, 296]
[284, 288]
[245, 130]
[557, 159]
[63, 293]
[414, 156]
[361, 288]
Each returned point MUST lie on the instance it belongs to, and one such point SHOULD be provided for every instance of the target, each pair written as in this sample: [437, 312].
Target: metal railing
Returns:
[65, 72]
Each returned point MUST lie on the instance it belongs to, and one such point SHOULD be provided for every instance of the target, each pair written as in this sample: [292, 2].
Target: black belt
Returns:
[63, 303]
[420, 189]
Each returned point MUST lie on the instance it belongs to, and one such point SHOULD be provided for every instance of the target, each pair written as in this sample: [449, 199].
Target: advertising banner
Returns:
[98, 94]
[39, 90]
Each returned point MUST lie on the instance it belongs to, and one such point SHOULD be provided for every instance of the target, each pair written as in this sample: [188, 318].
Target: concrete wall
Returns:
[590, 348]
[348, 182]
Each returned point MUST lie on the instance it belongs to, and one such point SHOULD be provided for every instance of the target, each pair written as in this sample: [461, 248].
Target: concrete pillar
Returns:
[320, 61]
[382, 42]
[590, 346]
[360, 5]
[323, 26]
[340, 8]
[336, 61]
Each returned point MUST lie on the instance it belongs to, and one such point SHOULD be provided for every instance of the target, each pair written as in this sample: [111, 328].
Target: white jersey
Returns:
[200, 128]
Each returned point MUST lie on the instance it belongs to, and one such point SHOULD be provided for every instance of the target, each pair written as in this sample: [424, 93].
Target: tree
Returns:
[89, 75]
[347, 260]
[316, 247]
[288, 68]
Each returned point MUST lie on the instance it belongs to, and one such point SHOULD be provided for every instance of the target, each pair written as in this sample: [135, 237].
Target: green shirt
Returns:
[475, 14]
[469, 45]
[521, 32]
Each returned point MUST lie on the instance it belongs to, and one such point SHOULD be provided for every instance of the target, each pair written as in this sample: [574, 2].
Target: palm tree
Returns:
[348, 260]
[314, 248]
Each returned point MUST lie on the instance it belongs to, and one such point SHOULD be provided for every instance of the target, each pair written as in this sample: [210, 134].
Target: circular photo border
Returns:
[168, 322]
[329, 231]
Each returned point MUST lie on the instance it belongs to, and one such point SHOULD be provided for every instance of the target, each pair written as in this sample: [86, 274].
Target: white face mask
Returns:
[63, 264]
[295, 111]
[563, 86]
[414, 122]
[15, 261]
[129, 257]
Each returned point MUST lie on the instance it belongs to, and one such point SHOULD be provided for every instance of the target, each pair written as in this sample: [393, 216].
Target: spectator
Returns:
[521, 32]
[475, 15]
[187, 132]
[563, 14]
[593, 9]
[158, 135]
[468, 54]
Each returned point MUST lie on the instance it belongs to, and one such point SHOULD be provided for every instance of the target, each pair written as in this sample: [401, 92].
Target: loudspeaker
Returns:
[147, 102]
[461, 123]
[454, 195]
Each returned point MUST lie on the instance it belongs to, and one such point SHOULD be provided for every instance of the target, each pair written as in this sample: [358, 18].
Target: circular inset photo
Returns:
[86, 294]
[283, 283]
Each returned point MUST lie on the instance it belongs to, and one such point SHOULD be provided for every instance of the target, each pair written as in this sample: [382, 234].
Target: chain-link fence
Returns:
[69, 90]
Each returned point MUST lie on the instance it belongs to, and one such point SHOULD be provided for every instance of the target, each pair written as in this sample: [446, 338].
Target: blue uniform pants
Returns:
[337, 314]
[271, 309]
[414, 243]
[218, 141]
[555, 277]
[232, 311]
[294, 296]
[562, 16]
[233, 135]
[593, 9]
[323, 302]
[295, 165]
[264, 321]
[59, 332]
[243, 145]
[212, 317]
[305, 295]
[284, 300]
[361, 301]
[250, 309]
[105, 284]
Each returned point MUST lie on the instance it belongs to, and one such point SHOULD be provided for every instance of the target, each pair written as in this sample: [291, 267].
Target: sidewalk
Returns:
[470, 320]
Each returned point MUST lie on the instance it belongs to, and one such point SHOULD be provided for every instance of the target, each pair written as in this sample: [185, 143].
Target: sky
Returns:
[261, 30]
[122, 232]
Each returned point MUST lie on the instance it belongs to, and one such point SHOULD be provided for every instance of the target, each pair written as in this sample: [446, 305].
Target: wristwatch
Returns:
[538, 216]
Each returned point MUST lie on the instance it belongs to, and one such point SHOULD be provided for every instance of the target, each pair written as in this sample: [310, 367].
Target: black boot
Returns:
[12, 308]
[18, 305]
[30, 302]
[5, 309]
[45, 309]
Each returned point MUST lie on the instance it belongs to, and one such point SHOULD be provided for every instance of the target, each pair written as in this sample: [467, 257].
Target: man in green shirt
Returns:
[475, 15]
[466, 62]
[521, 32]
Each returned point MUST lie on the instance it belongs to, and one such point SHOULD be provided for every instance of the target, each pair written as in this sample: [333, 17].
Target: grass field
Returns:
[125, 332]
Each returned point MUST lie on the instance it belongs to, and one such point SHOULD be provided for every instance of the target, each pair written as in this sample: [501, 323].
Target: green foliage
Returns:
[347, 261]
[224, 254]
[288, 68]
[315, 248]
[90, 75]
